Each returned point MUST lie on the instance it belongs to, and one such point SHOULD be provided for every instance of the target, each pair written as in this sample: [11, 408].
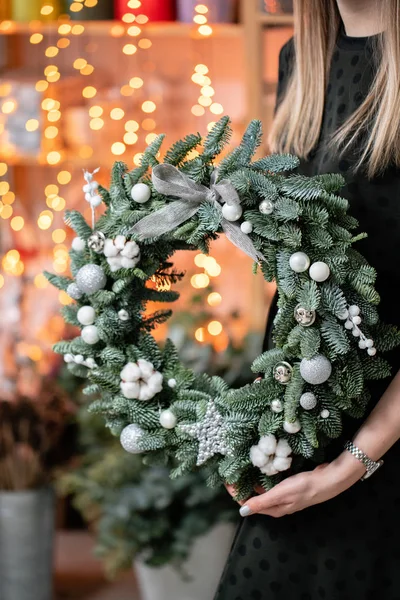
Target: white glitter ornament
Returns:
[172, 382]
[78, 244]
[232, 212]
[86, 315]
[90, 335]
[276, 406]
[130, 438]
[123, 315]
[266, 207]
[74, 292]
[315, 370]
[324, 413]
[319, 271]
[299, 262]
[141, 193]
[167, 419]
[90, 279]
[246, 227]
[210, 432]
[292, 427]
[308, 401]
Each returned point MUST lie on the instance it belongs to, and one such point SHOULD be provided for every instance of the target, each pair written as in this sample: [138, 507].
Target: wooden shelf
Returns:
[118, 29]
[276, 20]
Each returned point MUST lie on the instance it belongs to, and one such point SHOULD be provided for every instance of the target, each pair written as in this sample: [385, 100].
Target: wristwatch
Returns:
[368, 463]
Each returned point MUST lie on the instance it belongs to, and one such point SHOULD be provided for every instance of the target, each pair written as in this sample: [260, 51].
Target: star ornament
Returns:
[211, 434]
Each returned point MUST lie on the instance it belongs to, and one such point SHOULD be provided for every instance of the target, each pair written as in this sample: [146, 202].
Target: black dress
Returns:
[349, 547]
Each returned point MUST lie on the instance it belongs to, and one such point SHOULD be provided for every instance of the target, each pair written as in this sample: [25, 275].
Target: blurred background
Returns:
[84, 83]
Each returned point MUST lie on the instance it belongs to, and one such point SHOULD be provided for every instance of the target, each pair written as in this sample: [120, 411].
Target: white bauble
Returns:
[79, 359]
[110, 249]
[90, 187]
[292, 427]
[123, 315]
[319, 271]
[74, 292]
[371, 351]
[357, 320]
[90, 335]
[69, 358]
[246, 227]
[141, 193]
[90, 279]
[130, 372]
[356, 332]
[258, 457]
[344, 315]
[308, 401]
[88, 195]
[324, 413]
[276, 406]
[269, 469]
[267, 444]
[282, 463]
[130, 389]
[91, 363]
[354, 310]
[95, 201]
[315, 370]
[167, 419]
[369, 343]
[232, 212]
[172, 382]
[78, 244]
[283, 449]
[86, 315]
[130, 438]
[266, 207]
[362, 345]
[299, 262]
[349, 325]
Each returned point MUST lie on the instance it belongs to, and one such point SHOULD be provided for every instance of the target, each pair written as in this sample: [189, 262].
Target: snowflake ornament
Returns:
[211, 434]
[121, 254]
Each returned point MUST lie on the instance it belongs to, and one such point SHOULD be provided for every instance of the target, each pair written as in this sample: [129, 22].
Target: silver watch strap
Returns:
[369, 464]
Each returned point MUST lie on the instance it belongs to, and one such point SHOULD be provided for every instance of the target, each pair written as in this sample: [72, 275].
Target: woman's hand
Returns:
[304, 489]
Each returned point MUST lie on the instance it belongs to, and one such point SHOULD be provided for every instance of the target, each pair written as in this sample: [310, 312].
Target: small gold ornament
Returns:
[303, 316]
[283, 372]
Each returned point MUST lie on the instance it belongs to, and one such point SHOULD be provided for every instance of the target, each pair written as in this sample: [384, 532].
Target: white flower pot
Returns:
[205, 566]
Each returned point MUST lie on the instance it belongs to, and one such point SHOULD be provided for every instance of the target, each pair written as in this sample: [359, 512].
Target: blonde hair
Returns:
[298, 120]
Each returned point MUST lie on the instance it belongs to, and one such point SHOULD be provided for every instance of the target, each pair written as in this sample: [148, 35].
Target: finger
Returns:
[259, 489]
[230, 489]
[258, 504]
[276, 512]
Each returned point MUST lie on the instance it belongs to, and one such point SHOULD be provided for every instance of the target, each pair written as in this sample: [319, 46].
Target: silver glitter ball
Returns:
[308, 401]
[130, 438]
[96, 241]
[283, 372]
[90, 279]
[266, 207]
[303, 316]
[74, 292]
[316, 370]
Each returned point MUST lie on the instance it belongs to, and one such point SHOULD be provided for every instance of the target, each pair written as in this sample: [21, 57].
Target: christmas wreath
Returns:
[327, 331]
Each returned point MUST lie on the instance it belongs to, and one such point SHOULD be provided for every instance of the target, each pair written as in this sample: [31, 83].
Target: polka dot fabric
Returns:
[347, 548]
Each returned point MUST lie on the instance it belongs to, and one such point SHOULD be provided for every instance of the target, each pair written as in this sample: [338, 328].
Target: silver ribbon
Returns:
[169, 181]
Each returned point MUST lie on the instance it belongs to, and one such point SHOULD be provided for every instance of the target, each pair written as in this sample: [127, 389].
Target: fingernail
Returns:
[245, 511]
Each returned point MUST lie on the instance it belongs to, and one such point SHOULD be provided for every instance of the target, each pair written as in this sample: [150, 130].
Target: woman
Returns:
[338, 109]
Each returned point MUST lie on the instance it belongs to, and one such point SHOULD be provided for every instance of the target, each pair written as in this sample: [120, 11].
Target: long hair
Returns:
[297, 123]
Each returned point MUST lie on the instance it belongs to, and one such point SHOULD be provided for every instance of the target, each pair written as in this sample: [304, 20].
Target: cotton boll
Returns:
[110, 249]
[128, 263]
[269, 469]
[257, 457]
[282, 463]
[283, 449]
[120, 242]
[267, 444]
[146, 392]
[114, 263]
[130, 389]
[130, 372]
[146, 367]
[155, 381]
[131, 250]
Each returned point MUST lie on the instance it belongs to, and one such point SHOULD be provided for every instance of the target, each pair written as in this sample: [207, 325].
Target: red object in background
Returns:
[155, 10]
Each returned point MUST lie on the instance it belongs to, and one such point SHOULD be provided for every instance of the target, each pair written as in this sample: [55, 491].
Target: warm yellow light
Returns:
[58, 204]
[5, 89]
[117, 30]
[17, 223]
[4, 187]
[89, 91]
[46, 9]
[205, 30]
[198, 111]
[76, 7]
[79, 63]
[64, 177]
[8, 198]
[96, 124]
[129, 49]
[77, 29]
[200, 19]
[211, 126]
[53, 158]
[128, 18]
[214, 327]
[51, 132]
[60, 267]
[126, 90]
[50, 70]
[142, 19]
[53, 77]
[35, 353]
[207, 80]
[85, 151]
[200, 281]
[148, 106]
[91, 3]
[32, 125]
[51, 51]
[63, 298]
[63, 43]
[200, 334]
[207, 91]
[202, 69]
[36, 38]
[1, 281]
[212, 267]
[198, 78]
[118, 148]
[12, 257]
[50, 189]
[137, 159]
[41, 86]
[3, 169]
[134, 4]
[150, 137]
[44, 221]
[117, 114]
[136, 82]
[95, 111]
[87, 70]
[58, 236]
[199, 260]
[40, 281]
[130, 138]
[6, 211]
[214, 299]
[50, 104]
[145, 43]
[148, 124]
[216, 108]
[8, 106]
[201, 9]
[134, 30]
[131, 126]
[203, 101]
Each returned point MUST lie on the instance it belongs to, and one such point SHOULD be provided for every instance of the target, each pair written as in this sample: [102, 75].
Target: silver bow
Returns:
[169, 181]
